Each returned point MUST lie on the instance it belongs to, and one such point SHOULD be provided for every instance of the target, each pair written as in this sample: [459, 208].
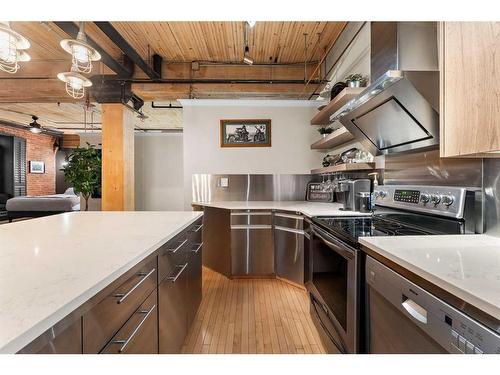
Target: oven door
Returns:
[334, 290]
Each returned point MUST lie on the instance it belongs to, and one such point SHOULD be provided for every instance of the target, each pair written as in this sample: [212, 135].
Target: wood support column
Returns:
[117, 158]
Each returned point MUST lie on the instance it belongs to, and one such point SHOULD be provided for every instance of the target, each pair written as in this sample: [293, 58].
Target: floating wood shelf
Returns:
[349, 167]
[323, 116]
[337, 138]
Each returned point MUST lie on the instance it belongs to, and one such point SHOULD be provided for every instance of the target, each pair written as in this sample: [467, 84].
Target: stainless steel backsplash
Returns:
[491, 183]
[427, 168]
[250, 187]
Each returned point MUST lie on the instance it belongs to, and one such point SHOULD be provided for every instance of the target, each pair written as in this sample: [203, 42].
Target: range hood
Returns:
[399, 110]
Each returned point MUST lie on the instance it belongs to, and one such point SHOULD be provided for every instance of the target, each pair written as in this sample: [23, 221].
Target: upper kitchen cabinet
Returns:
[470, 91]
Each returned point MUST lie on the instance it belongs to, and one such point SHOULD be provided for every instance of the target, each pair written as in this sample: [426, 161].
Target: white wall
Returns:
[291, 136]
[159, 172]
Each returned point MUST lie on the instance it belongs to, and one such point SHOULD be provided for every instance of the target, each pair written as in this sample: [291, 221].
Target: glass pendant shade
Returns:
[12, 46]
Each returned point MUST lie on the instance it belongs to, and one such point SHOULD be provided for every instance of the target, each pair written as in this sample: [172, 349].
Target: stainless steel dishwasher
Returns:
[289, 241]
[404, 318]
[252, 248]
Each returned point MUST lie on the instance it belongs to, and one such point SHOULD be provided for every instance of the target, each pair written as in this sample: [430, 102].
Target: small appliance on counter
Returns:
[349, 193]
[317, 193]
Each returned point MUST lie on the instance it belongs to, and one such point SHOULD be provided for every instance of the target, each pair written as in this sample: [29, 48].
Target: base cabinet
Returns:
[172, 300]
[289, 243]
[194, 280]
[60, 340]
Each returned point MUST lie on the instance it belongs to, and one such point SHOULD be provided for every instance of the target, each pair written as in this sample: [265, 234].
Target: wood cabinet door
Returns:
[470, 90]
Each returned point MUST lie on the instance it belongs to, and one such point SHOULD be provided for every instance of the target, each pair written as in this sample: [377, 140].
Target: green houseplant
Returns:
[324, 131]
[355, 80]
[83, 171]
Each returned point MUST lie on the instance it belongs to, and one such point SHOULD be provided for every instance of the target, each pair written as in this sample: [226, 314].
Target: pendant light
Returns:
[82, 53]
[34, 126]
[12, 46]
[75, 83]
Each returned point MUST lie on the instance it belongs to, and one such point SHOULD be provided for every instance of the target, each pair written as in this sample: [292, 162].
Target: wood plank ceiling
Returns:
[278, 49]
[269, 42]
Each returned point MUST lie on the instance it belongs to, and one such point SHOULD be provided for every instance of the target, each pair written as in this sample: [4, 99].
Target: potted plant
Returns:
[355, 80]
[83, 171]
[325, 131]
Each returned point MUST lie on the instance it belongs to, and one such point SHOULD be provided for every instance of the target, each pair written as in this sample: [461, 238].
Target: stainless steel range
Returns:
[337, 277]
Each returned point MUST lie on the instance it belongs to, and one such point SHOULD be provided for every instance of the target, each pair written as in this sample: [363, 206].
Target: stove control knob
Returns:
[447, 200]
[435, 198]
[382, 194]
[425, 198]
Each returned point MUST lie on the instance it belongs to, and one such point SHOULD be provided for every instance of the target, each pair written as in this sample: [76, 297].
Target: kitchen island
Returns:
[52, 267]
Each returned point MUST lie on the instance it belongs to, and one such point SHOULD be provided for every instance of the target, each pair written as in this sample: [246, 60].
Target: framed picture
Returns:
[37, 167]
[245, 133]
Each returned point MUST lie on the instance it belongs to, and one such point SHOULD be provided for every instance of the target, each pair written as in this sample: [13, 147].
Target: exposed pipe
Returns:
[219, 81]
[170, 106]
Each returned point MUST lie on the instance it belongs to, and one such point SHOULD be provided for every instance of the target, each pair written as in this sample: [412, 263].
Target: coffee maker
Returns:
[349, 192]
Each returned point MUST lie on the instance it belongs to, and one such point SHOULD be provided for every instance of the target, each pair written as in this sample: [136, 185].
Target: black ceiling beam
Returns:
[71, 29]
[127, 49]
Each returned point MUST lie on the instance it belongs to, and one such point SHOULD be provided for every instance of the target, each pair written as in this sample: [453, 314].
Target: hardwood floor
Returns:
[252, 316]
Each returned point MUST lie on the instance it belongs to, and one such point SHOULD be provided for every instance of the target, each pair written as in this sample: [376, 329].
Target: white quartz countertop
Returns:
[50, 266]
[307, 208]
[467, 266]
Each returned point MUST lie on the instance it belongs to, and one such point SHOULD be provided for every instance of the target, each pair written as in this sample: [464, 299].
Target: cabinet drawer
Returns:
[173, 254]
[287, 220]
[139, 335]
[251, 218]
[105, 319]
[195, 231]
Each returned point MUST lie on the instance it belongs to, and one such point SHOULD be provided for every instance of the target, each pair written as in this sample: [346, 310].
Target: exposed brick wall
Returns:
[39, 147]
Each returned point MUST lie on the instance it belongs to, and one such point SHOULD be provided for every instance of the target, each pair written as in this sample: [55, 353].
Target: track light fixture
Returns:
[75, 83]
[246, 55]
[34, 126]
[82, 53]
[12, 46]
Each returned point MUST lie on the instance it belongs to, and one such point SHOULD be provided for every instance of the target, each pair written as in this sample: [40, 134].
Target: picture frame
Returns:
[37, 167]
[245, 133]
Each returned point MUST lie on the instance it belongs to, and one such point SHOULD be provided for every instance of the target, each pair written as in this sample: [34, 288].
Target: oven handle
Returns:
[333, 244]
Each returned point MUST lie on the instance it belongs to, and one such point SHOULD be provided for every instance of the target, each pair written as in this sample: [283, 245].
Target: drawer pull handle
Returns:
[123, 296]
[198, 227]
[181, 270]
[173, 251]
[197, 248]
[134, 332]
